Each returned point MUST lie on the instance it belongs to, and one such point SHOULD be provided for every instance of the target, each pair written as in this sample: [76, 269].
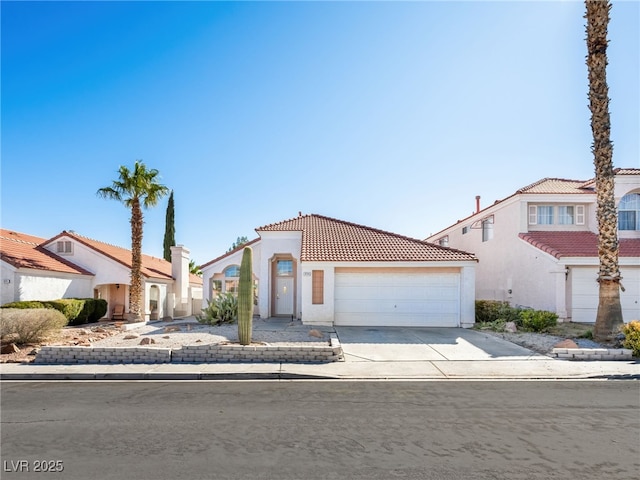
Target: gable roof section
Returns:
[152, 267]
[326, 239]
[576, 244]
[230, 252]
[558, 185]
[24, 251]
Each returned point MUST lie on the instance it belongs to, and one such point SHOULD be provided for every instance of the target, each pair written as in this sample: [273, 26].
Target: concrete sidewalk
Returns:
[370, 353]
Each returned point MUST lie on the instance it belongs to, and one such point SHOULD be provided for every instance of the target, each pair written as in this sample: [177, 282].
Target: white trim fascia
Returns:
[403, 264]
[595, 262]
[486, 212]
[51, 273]
[559, 198]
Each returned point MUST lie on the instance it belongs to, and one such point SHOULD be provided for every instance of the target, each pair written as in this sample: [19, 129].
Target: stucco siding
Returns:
[39, 287]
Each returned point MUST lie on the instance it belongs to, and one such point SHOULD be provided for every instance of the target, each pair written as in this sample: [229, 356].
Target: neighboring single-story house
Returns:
[539, 246]
[331, 272]
[72, 266]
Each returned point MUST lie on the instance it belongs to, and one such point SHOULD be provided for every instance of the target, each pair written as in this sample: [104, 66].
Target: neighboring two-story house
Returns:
[538, 247]
[73, 266]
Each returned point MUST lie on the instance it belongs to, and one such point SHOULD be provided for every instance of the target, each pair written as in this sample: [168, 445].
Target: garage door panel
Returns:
[584, 298]
[397, 299]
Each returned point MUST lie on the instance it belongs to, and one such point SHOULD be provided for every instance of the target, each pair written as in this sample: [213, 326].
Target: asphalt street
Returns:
[320, 430]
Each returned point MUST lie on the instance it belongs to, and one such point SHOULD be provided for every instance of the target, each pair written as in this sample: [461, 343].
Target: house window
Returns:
[444, 241]
[465, 230]
[629, 212]
[487, 229]
[231, 275]
[545, 215]
[566, 215]
[64, 247]
[284, 268]
[216, 288]
[317, 287]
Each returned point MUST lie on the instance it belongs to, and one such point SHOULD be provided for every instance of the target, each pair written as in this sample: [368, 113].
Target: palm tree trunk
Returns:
[135, 294]
[609, 315]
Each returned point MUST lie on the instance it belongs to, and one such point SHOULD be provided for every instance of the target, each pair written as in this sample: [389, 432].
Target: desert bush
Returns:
[631, 333]
[537, 320]
[492, 310]
[224, 309]
[30, 325]
[496, 325]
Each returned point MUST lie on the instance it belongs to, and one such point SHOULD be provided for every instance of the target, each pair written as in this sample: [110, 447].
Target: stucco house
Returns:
[538, 247]
[70, 265]
[331, 272]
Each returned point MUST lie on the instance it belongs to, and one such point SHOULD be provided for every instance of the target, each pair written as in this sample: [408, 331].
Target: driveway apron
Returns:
[405, 344]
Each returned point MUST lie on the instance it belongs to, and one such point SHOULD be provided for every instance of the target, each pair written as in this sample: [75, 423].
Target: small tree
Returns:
[245, 297]
[238, 243]
[169, 229]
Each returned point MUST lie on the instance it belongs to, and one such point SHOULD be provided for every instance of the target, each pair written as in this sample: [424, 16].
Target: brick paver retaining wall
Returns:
[592, 353]
[213, 353]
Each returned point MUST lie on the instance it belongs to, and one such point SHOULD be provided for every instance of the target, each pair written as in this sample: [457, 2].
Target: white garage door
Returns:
[584, 298]
[397, 299]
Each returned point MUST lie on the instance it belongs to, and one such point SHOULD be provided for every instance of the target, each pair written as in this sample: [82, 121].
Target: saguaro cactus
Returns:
[245, 298]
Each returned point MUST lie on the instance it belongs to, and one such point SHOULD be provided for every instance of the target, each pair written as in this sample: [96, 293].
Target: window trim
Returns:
[61, 247]
[317, 287]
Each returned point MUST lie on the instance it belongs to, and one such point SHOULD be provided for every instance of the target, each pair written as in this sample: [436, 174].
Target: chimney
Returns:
[180, 272]
[477, 203]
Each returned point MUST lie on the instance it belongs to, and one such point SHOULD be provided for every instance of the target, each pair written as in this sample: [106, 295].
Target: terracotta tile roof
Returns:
[557, 185]
[24, 251]
[152, 267]
[576, 244]
[326, 239]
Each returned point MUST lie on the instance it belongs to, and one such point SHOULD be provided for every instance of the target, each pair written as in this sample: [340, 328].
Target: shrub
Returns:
[100, 309]
[25, 304]
[69, 307]
[224, 309]
[537, 320]
[492, 310]
[88, 307]
[30, 325]
[631, 340]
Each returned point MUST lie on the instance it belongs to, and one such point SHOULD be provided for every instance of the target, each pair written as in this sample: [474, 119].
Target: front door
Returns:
[284, 296]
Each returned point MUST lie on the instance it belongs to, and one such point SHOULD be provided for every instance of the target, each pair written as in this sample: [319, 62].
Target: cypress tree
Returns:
[169, 230]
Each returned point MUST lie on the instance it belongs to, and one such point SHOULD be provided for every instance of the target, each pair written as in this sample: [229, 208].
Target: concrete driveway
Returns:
[411, 344]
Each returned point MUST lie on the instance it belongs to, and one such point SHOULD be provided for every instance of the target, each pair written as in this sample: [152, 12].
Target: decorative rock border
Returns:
[212, 353]
[592, 353]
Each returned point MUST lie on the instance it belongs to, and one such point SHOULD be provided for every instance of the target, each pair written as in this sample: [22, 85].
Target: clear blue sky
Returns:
[392, 115]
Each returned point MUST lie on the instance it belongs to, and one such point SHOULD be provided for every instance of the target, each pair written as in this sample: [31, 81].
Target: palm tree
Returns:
[609, 316]
[195, 269]
[136, 189]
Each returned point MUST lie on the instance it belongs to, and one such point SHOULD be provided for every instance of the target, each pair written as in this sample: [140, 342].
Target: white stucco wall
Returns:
[218, 267]
[509, 269]
[272, 244]
[105, 270]
[36, 285]
[317, 314]
[8, 291]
